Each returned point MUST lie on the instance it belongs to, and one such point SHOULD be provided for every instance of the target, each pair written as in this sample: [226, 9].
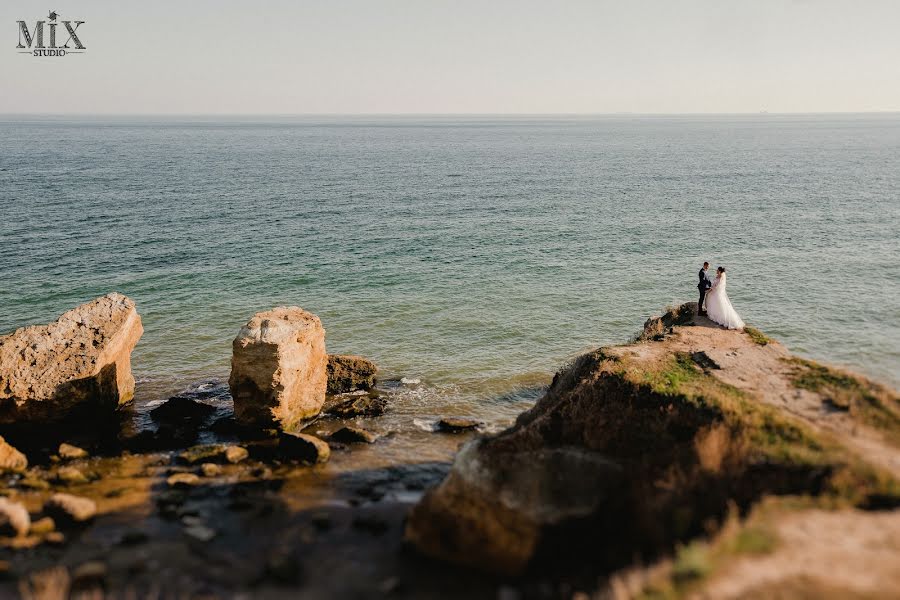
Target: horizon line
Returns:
[444, 114]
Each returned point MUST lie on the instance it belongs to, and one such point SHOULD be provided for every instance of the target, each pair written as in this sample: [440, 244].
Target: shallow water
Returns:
[476, 254]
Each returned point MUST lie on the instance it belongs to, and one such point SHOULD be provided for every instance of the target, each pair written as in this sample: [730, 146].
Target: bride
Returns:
[718, 306]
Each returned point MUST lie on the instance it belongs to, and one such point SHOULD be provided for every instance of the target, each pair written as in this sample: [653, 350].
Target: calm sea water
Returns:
[474, 253]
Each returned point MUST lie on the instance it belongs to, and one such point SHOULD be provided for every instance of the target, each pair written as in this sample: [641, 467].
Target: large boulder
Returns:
[82, 360]
[279, 368]
[348, 373]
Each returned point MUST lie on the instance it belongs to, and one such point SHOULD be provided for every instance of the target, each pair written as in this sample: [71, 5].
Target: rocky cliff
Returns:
[638, 449]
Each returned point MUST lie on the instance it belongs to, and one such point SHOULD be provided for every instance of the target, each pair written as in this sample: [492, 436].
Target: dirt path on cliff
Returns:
[820, 554]
[737, 360]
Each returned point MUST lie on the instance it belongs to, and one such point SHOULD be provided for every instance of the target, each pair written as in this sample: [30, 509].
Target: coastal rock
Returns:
[369, 405]
[348, 373]
[182, 480]
[353, 435]
[178, 409]
[202, 454]
[279, 368]
[70, 452]
[10, 458]
[70, 476]
[14, 519]
[70, 509]
[42, 526]
[211, 469]
[304, 448]
[655, 328]
[635, 449]
[235, 454]
[457, 425]
[82, 360]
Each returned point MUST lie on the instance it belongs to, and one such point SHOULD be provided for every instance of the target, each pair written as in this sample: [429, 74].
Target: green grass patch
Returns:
[672, 379]
[757, 336]
[692, 562]
[755, 540]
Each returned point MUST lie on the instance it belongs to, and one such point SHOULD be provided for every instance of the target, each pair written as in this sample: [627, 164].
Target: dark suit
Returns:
[703, 286]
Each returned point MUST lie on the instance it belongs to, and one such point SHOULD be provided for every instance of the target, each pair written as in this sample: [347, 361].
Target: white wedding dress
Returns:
[719, 308]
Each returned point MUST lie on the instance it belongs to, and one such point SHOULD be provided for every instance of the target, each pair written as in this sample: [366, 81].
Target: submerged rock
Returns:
[182, 409]
[14, 519]
[370, 405]
[279, 368]
[304, 448]
[82, 360]
[457, 425]
[348, 373]
[70, 509]
[203, 453]
[10, 458]
[353, 435]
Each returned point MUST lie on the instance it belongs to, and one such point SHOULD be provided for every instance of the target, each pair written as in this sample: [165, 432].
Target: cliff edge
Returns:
[637, 450]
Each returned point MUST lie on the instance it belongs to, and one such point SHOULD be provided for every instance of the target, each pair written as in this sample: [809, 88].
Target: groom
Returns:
[703, 286]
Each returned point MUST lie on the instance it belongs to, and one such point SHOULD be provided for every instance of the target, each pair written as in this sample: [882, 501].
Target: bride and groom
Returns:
[718, 306]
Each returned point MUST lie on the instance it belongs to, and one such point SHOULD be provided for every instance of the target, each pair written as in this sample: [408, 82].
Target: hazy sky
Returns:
[459, 56]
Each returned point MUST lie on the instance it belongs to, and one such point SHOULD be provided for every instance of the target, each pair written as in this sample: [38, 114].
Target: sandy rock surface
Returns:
[83, 359]
[279, 368]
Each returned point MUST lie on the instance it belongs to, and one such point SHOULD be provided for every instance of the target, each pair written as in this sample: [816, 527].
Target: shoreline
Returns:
[187, 500]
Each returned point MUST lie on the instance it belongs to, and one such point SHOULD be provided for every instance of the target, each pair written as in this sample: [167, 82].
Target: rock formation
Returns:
[279, 368]
[304, 448]
[82, 360]
[70, 509]
[348, 373]
[10, 458]
[636, 448]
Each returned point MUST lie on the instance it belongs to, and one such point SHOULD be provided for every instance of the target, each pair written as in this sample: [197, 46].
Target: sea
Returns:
[469, 256]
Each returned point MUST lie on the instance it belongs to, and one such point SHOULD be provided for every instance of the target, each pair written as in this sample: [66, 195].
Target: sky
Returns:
[459, 56]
